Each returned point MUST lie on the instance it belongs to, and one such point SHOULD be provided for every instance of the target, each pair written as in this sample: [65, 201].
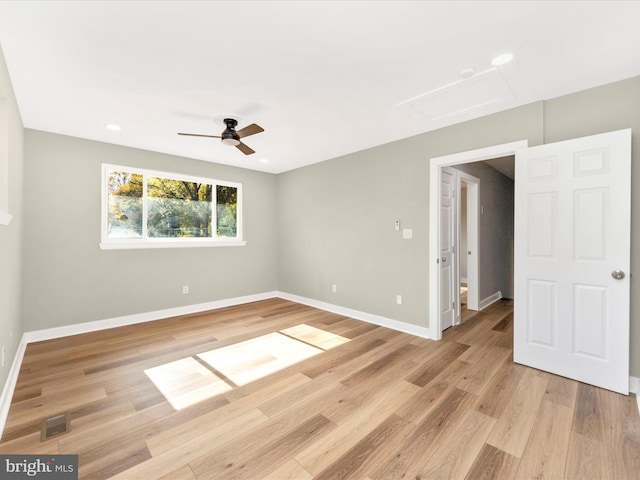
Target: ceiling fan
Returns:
[232, 137]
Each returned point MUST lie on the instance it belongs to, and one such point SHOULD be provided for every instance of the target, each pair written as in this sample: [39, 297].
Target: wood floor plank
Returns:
[493, 464]
[289, 471]
[361, 458]
[30, 443]
[338, 356]
[500, 388]
[481, 372]
[560, 390]
[195, 448]
[542, 458]
[432, 394]
[514, 425]
[587, 421]
[249, 458]
[412, 454]
[588, 459]
[454, 455]
[41, 407]
[443, 357]
[182, 473]
[323, 452]
[201, 424]
[622, 435]
[273, 456]
[357, 393]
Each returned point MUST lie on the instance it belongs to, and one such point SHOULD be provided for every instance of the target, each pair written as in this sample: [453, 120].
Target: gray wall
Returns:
[11, 178]
[336, 217]
[495, 230]
[68, 279]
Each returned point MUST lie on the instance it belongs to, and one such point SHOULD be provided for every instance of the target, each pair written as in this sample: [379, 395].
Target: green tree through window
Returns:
[125, 204]
[152, 205]
[227, 203]
[178, 208]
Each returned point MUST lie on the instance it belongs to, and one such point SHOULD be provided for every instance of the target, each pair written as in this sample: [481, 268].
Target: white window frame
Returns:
[154, 242]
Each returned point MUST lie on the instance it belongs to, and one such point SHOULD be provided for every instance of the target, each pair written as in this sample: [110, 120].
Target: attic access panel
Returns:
[461, 97]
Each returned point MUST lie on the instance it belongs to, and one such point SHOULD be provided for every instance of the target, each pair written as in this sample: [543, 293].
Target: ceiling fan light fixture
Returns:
[231, 141]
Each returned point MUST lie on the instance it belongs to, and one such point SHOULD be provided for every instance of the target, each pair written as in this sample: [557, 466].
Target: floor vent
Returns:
[54, 426]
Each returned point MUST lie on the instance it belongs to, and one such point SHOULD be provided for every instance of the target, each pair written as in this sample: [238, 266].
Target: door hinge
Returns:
[453, 305]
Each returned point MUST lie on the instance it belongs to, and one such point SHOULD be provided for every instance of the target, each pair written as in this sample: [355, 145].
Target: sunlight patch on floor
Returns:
[186, 382]
[247, 361]
[315, 336]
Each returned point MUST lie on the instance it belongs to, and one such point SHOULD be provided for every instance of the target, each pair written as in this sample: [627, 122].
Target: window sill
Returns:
[169, 244]
[5, 217]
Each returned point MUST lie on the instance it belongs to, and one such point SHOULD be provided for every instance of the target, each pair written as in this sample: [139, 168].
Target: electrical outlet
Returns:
[334, 288]
[185, 289]
[399, 299]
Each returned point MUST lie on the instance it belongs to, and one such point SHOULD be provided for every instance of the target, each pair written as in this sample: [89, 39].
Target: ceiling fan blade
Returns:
[245, 149]
[198, 135]
[249, 130]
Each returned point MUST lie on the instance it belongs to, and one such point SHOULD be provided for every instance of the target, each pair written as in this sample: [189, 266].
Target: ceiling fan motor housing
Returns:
[229, 136]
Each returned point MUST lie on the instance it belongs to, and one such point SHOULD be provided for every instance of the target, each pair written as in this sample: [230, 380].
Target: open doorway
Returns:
[438, 301]
[459, 253]
[468, 251]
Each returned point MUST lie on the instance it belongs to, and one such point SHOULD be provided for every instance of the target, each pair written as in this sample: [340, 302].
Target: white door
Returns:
[572, 248]
[448, 287]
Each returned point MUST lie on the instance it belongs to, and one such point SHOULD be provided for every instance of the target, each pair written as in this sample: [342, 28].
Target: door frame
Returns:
[435, 164]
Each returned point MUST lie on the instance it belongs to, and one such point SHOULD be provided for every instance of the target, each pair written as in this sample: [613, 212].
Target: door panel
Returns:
[572, 230]
[542, 320]
[447, 244]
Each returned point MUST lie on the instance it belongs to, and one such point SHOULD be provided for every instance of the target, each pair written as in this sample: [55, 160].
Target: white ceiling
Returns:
[323, 78]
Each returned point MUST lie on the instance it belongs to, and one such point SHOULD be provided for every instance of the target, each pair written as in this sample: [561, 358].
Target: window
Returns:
[147, 209]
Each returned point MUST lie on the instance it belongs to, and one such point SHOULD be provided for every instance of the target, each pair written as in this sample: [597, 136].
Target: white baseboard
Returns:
[10, 384]
[491, 299]
[634, 387]
[57, 332]
[411, 329]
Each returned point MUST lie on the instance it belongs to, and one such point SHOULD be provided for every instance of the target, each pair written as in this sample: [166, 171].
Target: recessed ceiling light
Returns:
[502, 59]
[264, 160]
[114, 127]
[467, 73]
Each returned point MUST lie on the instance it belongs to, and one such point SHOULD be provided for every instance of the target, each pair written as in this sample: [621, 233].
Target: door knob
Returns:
[444, 259]
[617, 274]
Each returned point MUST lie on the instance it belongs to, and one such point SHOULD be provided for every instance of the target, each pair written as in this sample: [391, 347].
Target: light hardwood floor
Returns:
[337, 399]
